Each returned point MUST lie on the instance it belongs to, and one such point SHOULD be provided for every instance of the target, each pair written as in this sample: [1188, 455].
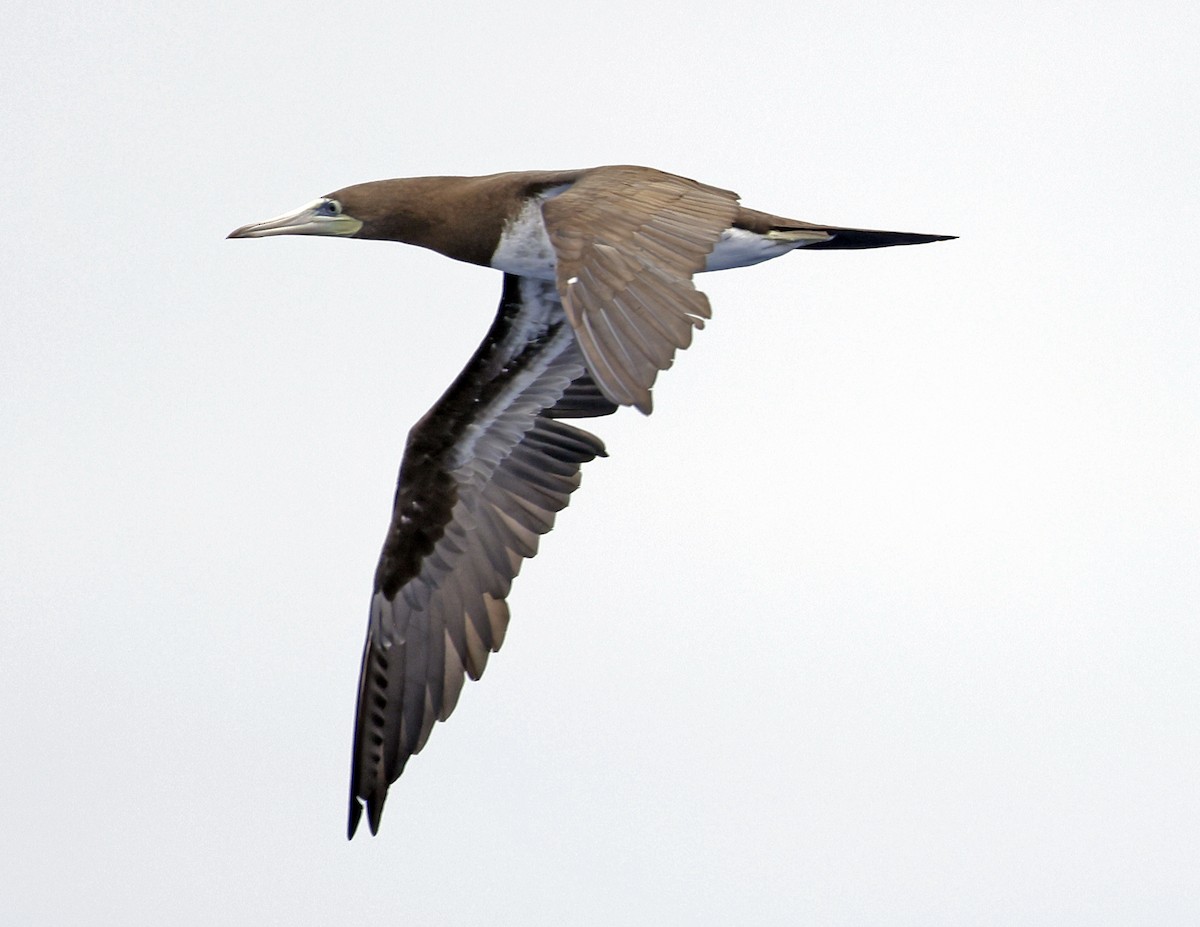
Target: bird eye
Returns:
[330, 208]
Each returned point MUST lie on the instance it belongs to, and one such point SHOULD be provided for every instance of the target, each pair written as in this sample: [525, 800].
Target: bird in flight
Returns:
[597, 298]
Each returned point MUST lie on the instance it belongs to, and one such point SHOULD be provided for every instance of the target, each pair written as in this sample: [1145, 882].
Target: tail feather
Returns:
[871, 238]
[782, 228]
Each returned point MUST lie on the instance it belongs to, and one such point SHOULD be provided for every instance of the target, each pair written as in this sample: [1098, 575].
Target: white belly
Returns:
[740, 248]
[525, 247]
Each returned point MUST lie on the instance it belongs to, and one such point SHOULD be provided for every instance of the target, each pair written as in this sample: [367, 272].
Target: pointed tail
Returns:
[871, 238]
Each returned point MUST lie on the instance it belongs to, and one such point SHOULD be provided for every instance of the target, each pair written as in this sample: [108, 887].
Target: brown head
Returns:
[460, 217]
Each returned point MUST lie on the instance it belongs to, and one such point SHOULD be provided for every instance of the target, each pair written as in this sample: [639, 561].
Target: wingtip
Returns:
[375, 813]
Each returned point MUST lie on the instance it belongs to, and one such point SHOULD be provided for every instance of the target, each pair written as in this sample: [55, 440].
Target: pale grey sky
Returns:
[888, 614]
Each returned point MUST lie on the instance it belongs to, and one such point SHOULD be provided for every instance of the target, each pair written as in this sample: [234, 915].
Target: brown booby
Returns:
[597, 298]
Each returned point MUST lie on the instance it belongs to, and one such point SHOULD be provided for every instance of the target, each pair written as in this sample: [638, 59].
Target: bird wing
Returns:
[483, 475]
[627, 242]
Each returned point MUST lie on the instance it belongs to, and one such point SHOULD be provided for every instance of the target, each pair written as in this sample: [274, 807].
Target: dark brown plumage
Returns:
[597, 298]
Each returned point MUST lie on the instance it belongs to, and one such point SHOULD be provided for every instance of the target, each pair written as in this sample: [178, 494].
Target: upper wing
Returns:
[483, 475]
[627, 241]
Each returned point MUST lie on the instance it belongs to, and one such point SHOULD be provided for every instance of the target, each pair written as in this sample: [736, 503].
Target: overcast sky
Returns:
[888, 614]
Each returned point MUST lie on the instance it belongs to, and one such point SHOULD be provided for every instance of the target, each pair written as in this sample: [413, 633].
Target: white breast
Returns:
[525, 247]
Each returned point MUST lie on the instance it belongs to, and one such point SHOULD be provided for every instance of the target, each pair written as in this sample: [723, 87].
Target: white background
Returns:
[888, 615]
